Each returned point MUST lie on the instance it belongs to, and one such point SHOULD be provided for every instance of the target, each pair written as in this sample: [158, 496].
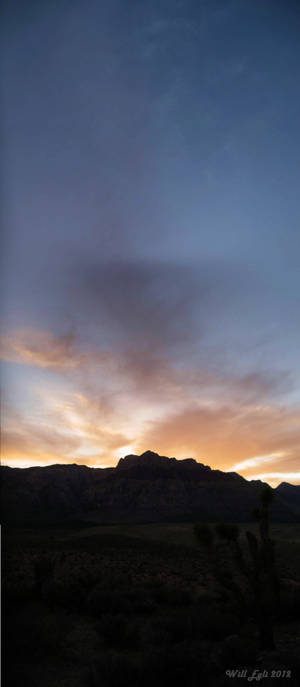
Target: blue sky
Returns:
[151, 232]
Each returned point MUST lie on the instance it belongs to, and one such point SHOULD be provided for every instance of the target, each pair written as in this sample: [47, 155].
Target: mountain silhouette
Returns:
[145, 488]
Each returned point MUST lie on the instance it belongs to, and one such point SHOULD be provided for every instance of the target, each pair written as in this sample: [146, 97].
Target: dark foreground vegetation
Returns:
[110, 606]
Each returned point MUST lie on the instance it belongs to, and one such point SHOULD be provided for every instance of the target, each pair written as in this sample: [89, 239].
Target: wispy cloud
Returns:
[255, 461]
[228, 436]
[274, 478]
[109, 402]
[67, 428]
[41, 349]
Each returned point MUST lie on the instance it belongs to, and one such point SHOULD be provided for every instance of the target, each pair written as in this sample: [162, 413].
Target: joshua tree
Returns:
[259, 592]
[263, 574]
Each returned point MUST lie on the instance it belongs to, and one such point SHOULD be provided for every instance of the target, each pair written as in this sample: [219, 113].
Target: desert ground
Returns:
[87, 605]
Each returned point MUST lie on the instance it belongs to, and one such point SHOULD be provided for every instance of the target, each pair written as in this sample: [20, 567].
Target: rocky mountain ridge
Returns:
[146, 488]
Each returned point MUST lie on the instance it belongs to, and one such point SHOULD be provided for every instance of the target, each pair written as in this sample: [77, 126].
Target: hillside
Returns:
[146, 488]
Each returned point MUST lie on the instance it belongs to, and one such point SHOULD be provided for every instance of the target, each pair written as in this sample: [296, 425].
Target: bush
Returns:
[118, 632]
[227, 531]
[81, 642]
[174, 666]
[101, 600]
[115, 670]
[204, 534]
[32, 631]
[289, 607]
[214, 622]
[19, 578]
[168, 629]
[172, 595]
[239, 651]
[67, 594]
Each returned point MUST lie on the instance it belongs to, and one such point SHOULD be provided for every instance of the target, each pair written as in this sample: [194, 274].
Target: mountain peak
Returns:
[287, 485]
[148, 458]
[145, 488]
[149, 455]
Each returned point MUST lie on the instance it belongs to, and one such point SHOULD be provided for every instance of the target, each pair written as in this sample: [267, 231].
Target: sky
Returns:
[151, 244]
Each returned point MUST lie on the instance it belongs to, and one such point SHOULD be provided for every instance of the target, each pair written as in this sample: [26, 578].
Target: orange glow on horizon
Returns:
[92, 408]
[15, 461]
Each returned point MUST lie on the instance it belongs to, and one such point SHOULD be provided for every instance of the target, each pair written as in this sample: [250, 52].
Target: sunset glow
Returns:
[78, 419]
[151, 234]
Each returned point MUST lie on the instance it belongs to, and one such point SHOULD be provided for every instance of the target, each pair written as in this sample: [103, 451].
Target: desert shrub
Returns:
[101, 600]
[81, 642]
[49, 632]
[205, 620]
[118, 631]
[178, 596]
[214, 622]
[33, 632]
[19, 578]
[227, 531]
[202, 622]
[174, 666]
[172, 595]
[62, 581]
[115, 670]
[204, 534]
[156, 632]
[167, 629]
[289, 660]
[143, 601]
[238, 650]
[43, 565]
[67, 594]
[289, 606]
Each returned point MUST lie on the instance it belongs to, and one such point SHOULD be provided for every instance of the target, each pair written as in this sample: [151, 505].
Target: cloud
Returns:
[112, 379]
[67, 429]
[255, 461]
[147, 372]
[226, 436]
[152, 305]
[34, 440]
[41, 349]
[274, 478]
[147, 304]
[106, 401]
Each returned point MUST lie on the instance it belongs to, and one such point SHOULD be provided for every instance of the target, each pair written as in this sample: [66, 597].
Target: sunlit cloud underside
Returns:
[91, 407]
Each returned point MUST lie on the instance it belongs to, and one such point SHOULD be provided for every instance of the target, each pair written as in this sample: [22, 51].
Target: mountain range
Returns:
[145, 488]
